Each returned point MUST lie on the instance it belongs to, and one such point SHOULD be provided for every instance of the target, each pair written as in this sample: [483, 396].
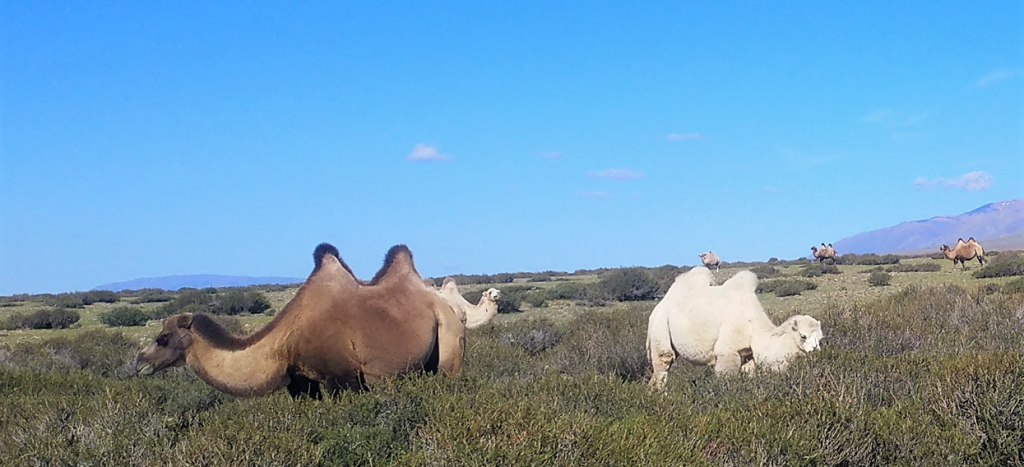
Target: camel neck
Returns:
[255, 370]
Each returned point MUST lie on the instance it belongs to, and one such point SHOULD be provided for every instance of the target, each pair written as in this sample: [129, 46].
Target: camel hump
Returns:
[322, 250]
[398, 262]
[971, 240]
[743, 281]
[448, 280]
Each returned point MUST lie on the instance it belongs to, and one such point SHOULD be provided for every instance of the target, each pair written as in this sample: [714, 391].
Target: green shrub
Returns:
[918, 267]
[785, 287]
[1013, 286]
[237, 301]
[628, 284]
[764, 270]
[99, 296]
[879, 278]
[534, 337]
[818, 269]
[500, 278]
[124, 316]
[64, 300]
[869, 259]
[186, 300]
[46, 318]
[1005, 265]
[150, 296]
[540, 279]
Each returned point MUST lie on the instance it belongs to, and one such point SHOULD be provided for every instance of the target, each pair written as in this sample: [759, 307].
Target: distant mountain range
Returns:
[997, 226]
[196, 280]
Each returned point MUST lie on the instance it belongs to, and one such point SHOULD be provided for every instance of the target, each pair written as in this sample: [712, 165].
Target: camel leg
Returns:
[661, 361]
[451, 342]
[299, 386]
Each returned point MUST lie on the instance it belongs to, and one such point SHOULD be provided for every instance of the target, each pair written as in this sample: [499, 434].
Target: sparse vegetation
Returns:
[879, 278]
[818, 269]
[124, 316]
[628, 284]
[914, 267]
[46, 318]
[785, 287]
[1002, 266]
[918, 373]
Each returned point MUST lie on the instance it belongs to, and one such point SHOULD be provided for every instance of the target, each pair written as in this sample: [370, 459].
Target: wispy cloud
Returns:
[595, 194]
[550, 155]
[615, 174]
[424, 153]
[684, 136]
[970, 181]
[994, 77]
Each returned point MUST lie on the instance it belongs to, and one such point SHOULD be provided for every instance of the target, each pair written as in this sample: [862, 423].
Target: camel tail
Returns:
[322, 250]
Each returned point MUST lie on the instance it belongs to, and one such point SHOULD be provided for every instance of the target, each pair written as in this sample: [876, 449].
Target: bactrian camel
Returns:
[722, 326]
[337, 331]
[964, 252]
[825, 252]
[473, 316]
[710, 259]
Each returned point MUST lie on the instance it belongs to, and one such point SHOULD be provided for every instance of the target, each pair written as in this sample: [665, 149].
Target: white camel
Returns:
[473, 316]
[722, 326]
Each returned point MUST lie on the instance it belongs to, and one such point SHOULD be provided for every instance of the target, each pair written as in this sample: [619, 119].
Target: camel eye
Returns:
[162, 340]
[802, 337]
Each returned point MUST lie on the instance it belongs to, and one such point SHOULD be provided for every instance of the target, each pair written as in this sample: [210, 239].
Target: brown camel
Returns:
[964, 252]
[825, 252]
[337, 331]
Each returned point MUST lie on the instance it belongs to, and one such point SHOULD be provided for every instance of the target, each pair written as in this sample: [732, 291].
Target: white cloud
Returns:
[994, 77]
[595, 194]
[423, 153]
[971, 181]
[550, 155]
[615, 174]
[684, 136]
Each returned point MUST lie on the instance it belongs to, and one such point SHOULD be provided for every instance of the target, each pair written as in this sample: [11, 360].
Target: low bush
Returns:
[64, 300]
[764, 270]
[628, 284]
[915, 267]
[149, 296]
[879, 278]
[540, 279]
[46, 318]
[1005, 265]
[785, 287]
[869, 259]
[1013, 286]
[237, 301]
[534, 337]
[124, 316]
[818, 269]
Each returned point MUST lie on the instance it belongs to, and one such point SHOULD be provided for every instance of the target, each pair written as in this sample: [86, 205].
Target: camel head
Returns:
[806, 331]
[944, 248]
[814, 249]
[704, 255]
[169, 347]
[492, 294]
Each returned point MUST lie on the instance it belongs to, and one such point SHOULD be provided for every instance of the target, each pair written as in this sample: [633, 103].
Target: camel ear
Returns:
[185, 341]
[795, 327]
[185, 320]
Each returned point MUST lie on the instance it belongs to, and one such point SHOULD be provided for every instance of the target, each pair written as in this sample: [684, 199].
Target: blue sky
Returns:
[157, 138]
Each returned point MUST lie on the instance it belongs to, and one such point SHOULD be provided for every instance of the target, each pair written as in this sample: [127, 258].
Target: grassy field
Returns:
[928, 370]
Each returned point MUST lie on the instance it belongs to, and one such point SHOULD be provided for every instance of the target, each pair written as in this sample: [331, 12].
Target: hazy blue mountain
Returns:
[997, 226]
[196, 280]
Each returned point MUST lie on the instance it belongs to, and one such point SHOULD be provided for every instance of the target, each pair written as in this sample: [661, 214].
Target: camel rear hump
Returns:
[397, 263]
[744, 281]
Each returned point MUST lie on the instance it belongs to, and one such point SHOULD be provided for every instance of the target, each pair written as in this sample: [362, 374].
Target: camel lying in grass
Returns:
[337, 331]
[825, 252]
[710, 259]
[724, 327]
[473, 316]
[964, 252]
